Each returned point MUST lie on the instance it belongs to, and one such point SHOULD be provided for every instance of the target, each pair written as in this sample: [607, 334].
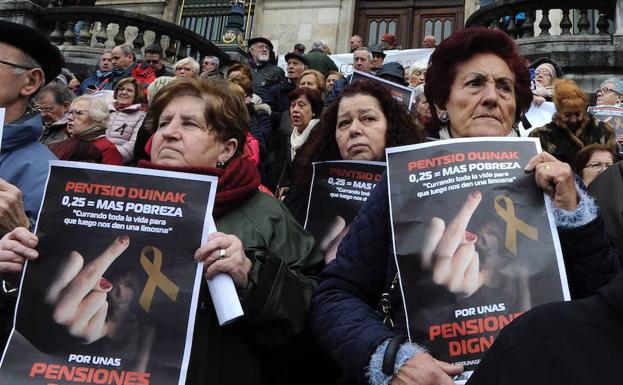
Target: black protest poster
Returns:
[474, 242]
[404, 94]
[609, 114]
[338, 190]
[113, 295]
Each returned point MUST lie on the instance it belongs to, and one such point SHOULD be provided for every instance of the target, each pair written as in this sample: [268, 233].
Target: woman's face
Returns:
[300, 112]
[606, 96]
[482, 98]
[571, 116]
[309, 81]
[330, 80]
[184, 137]
[79, 118]
[598, 162]
[126, 94]
[361, 128]
[543, 76]
[184, 71]
[417, 78]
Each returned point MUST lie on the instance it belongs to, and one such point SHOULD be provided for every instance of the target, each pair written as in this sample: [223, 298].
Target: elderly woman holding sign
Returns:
[199, 128]
[477, 85]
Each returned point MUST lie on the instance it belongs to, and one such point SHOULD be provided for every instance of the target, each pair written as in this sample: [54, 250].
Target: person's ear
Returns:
[32, 82]
[228, 149]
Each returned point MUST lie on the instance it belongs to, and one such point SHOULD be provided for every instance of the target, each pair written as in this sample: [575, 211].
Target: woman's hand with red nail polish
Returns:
[450, 251]
[79, 293]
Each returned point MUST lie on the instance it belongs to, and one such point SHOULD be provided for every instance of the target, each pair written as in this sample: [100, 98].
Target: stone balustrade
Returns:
[578, 35]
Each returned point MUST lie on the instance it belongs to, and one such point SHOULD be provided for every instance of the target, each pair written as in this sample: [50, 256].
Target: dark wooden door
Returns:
[409, 21]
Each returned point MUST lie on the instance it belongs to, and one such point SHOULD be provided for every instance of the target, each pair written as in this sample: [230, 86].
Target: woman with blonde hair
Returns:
[186, 68]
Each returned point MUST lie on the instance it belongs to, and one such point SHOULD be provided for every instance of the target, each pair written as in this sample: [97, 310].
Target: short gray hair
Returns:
[317, 45]
[97, 110]
[213, 60]
[616, 83]
[365, 49]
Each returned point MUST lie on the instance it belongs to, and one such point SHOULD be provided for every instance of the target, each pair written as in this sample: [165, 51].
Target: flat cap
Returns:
[35, 45]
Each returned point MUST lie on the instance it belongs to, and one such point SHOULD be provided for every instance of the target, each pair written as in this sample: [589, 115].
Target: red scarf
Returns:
[235, 182]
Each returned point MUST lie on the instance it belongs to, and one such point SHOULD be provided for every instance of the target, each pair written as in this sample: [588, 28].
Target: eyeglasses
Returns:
[46, 110]
[543, 73]
[152, 61]
[16, 65]
[605, 90]
[186, 69]
[76, 113]
[598, 165]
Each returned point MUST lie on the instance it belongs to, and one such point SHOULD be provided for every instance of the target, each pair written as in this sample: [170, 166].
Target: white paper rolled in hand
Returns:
[225, 298]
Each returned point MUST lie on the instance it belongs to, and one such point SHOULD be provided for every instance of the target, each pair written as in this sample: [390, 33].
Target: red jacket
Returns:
[110, 154]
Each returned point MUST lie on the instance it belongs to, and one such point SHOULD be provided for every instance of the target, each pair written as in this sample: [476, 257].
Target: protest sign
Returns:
[474, 242]
[609, 114]
[113, 295]
[338, 190]
[405, 95]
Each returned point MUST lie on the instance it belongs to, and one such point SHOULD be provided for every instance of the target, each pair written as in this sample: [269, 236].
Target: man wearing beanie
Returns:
[571, 127]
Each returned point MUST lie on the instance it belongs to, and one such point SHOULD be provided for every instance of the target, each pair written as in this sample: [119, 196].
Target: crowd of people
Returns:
[259, 129]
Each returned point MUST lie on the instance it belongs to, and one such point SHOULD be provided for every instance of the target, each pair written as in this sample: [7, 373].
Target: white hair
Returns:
[97, 109]
[188, 60]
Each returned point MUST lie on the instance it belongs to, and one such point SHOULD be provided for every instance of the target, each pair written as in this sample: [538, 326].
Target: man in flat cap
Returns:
[278, 95]
[27, 61]
[265, 74]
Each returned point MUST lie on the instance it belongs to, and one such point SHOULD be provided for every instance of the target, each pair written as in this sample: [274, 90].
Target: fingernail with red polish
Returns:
[105, 284]
[475, 194]
[123, 239]
[470, 237]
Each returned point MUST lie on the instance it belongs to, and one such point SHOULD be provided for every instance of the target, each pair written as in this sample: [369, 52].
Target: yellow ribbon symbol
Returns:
[513, 224]
[156, 279]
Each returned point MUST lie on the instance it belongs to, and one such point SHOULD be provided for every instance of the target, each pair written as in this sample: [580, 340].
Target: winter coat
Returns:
[319, 61]
[110, 154]
[344, 317]
[265, 75]
[123, 126]
[24, 161]
[102, 80]
[140, 71]
[278, 97]
[559, 141]
[55, 133]
[577, 342]
[258, 348]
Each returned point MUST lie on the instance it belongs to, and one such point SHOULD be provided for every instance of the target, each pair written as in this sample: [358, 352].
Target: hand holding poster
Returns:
[474, 243]
[113, 294]
[338, 190]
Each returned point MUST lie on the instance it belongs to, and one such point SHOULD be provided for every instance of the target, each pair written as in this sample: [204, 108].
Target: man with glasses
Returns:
[209, 68]
[610, 93]
[265, 74]
[52, 103]
[153, 58]
[27, 61]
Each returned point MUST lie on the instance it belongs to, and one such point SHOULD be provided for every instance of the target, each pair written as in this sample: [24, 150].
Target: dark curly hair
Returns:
[462, 46]
[321, 144]
[314, 97]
